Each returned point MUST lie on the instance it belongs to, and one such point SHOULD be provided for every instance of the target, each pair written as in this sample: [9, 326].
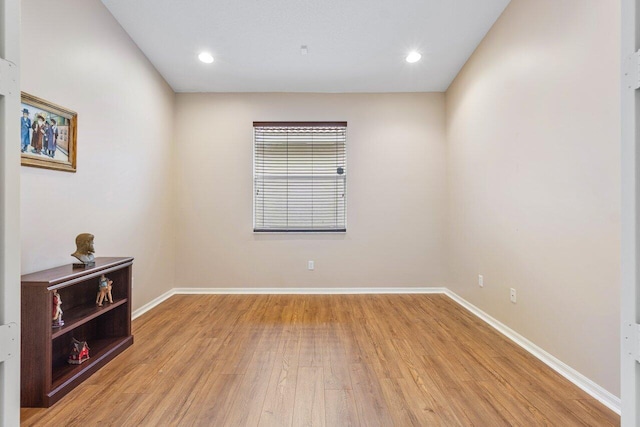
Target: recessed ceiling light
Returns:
[205, 57]
[304, 50]
[413, 57]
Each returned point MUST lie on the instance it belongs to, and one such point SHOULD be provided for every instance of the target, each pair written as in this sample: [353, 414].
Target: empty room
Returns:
[318, 213]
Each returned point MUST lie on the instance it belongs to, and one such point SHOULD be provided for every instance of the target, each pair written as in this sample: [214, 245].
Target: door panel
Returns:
[9, 206]
[630, 369]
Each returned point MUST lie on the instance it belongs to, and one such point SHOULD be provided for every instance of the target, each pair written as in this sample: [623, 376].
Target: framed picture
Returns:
[47, 134]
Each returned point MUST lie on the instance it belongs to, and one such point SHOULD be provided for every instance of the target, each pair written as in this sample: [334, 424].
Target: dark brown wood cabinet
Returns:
[46, 374]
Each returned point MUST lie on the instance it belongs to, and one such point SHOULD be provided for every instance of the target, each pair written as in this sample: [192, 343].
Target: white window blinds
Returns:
[300, 176]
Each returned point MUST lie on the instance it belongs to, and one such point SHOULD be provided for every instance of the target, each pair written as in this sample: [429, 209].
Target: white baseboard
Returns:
[594, 390]
[306, 291]
[152, 304]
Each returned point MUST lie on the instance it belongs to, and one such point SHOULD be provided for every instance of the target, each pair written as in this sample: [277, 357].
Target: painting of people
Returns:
[47, 134]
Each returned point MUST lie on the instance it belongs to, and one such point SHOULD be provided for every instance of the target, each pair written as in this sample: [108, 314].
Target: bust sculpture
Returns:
[84, 250]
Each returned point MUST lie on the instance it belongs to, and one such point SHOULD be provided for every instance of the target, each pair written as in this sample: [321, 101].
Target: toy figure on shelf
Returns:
[79, 352]
[104, 290]
[57, 310]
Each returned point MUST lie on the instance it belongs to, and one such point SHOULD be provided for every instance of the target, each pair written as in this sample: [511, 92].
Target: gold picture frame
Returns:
[47, 134]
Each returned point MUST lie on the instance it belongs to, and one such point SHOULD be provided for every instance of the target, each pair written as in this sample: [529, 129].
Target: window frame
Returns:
[295, 124]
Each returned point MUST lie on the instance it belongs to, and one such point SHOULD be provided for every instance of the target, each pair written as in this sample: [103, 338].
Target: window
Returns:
[299, 176]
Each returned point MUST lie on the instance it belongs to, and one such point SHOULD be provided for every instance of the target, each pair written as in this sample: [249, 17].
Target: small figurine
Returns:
[79, 352]
[84, 251]
[104, 289]
[57, 310]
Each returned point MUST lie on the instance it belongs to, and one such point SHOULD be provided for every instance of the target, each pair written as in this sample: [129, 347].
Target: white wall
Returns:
[76, 55]
[534, 179]
[395, 197]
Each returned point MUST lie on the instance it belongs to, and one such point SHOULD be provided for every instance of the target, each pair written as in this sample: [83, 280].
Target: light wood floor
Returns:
[293, 360]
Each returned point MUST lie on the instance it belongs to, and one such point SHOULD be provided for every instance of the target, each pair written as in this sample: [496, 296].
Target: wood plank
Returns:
[253, 388]
[370, 403]
[335, 363]
[340, 408]
[309, 405]
[278, 406]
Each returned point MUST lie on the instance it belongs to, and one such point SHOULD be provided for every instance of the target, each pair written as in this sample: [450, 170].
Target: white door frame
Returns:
[630, 301]
[9, 213]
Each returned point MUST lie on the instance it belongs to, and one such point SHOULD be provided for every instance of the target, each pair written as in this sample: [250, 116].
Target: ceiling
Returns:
[353, 45]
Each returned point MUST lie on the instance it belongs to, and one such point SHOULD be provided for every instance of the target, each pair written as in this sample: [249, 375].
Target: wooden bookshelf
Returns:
[46, 375]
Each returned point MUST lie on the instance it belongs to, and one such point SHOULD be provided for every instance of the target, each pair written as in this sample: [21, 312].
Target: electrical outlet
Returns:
[480, 280]
[311, 265]
[512, 295]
